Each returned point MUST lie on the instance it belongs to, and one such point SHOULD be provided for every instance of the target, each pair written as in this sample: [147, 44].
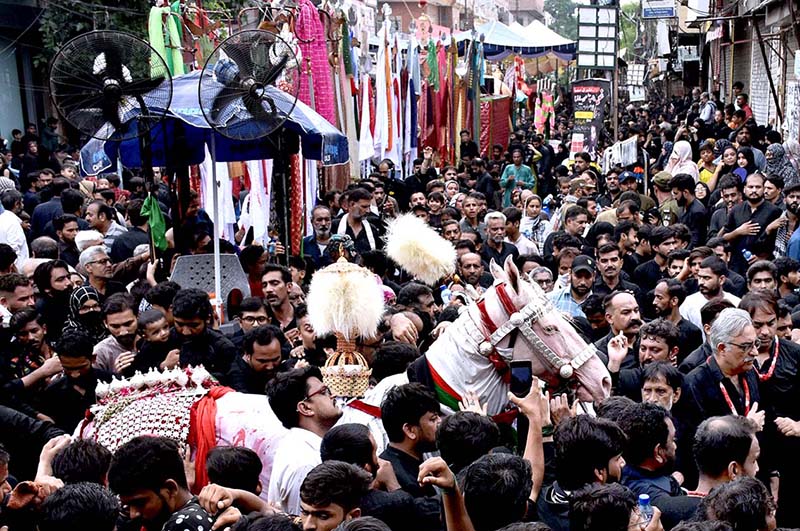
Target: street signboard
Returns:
[659, 9]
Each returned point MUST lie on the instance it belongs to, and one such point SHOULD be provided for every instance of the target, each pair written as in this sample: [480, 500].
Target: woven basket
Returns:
[346, 373]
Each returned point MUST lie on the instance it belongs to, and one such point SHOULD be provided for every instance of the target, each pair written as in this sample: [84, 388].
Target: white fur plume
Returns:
[345, 298]
[418, 249]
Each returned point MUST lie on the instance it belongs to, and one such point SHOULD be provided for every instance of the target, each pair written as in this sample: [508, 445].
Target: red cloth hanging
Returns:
[296, 206]
[203, 432]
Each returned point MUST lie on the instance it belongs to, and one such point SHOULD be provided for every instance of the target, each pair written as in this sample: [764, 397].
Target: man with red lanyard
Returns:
[726, 384]
[725, 448]
[777, 363]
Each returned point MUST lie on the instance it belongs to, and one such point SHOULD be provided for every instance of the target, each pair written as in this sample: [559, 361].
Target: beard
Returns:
[324, 233]
[793, 208]
[755, 198]
[126, 340]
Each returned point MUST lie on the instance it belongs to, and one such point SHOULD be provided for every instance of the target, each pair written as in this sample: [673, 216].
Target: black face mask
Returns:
[85, 381]
[92, 320]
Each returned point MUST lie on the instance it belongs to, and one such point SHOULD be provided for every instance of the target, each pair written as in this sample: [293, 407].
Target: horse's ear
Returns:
[513, 273]
[496, 271]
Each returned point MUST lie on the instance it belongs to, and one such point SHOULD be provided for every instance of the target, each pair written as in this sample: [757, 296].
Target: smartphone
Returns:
[521, 378]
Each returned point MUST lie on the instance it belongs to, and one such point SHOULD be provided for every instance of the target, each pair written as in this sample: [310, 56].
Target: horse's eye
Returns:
[549, 329]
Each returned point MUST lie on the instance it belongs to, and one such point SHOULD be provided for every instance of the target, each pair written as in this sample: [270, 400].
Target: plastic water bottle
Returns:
[747, 255]
[645, 508]
[271, 246]
[446, 294]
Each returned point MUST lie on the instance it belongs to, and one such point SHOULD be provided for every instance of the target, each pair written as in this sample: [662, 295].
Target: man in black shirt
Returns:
[692, 212]
[746, 228]
[469, 149]
[386, 501]
[136, 235]
[727, 383]
[667, 298]
[250, 372]
[622, 314]
[777, 364]
[609, 266]
[410, 416]
[496, 249]
[725, 448]
[156, 495]
[200, 344]
[647, 275]
[587, 450]
[67, 399]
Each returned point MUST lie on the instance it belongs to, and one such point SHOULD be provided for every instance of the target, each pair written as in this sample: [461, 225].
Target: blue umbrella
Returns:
[185, 131]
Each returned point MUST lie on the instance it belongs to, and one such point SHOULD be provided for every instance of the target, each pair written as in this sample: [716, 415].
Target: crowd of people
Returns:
[682, 269]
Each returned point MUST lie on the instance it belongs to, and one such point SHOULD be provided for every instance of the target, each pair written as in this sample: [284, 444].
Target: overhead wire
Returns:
[21, 34]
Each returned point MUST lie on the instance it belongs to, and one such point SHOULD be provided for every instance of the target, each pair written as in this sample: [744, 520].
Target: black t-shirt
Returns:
[190, 517]
[647, 275]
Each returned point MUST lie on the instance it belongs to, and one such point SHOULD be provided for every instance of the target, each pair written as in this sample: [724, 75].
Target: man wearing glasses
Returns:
[260, 362]
[100, 270]
[727, 383]
[304, 406]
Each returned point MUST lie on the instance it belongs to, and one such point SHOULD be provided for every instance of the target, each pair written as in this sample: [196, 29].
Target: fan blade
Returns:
[142, 87]
[255, 108]
[239, 54]
[224, 98]
[273, 72]
[110, 108]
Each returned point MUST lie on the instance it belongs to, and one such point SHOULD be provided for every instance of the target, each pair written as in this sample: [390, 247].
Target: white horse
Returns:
[487, 335]
[513, 321]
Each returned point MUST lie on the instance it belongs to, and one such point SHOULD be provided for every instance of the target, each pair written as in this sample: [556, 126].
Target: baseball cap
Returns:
[626, 176]
[583, 263]
[662, 179]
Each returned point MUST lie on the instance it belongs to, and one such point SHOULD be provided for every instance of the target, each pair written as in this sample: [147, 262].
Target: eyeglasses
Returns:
[747, 347]
[104, 261]
[324, 391]
[249, 319]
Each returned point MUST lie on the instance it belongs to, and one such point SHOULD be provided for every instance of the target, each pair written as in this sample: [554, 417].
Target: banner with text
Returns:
[589, 100]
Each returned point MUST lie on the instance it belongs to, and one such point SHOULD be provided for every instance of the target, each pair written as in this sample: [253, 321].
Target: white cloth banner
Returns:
[226, 227]
[256, 206]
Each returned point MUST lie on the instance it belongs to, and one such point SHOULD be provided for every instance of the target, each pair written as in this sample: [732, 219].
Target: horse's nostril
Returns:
[606, 383]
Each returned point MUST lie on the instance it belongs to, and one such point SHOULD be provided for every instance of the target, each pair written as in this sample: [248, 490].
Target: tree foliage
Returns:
[565, 21]
[62, 21]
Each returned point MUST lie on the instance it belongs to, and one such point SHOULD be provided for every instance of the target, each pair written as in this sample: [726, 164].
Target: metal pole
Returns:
[767, 68]
[217, 225]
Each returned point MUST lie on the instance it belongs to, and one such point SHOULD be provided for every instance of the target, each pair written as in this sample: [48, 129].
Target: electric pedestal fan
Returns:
[101, 81]
[112, 86]
[248, 89]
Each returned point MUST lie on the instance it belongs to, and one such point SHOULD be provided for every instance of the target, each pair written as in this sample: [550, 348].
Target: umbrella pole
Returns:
[215, 199]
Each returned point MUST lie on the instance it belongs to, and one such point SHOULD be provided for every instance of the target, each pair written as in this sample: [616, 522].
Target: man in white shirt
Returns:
[304, 405]
[513, 235]
[11, 232]
[710, 278]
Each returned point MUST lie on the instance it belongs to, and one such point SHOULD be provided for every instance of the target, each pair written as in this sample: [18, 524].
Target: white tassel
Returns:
[347, 299]
[418, 249]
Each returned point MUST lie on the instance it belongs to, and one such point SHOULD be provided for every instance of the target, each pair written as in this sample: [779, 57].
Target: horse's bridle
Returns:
[521, 321]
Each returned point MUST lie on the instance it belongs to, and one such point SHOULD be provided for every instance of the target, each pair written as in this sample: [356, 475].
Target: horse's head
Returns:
[530, 328]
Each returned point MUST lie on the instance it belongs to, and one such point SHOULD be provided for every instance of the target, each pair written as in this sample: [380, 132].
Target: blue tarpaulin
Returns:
[185, 132]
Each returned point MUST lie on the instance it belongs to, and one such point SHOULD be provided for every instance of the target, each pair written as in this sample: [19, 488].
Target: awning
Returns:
[500, 41]
[185, 131]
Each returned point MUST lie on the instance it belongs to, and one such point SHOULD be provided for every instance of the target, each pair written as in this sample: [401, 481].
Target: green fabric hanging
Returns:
[155, 218]
[347, 50]
[433, 65]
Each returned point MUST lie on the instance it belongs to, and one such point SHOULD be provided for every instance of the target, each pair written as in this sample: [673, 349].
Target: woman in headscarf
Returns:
[792, 148]
[666, 151]
[745, 162]
[680, 161]
[778, 164]
[85, 313]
